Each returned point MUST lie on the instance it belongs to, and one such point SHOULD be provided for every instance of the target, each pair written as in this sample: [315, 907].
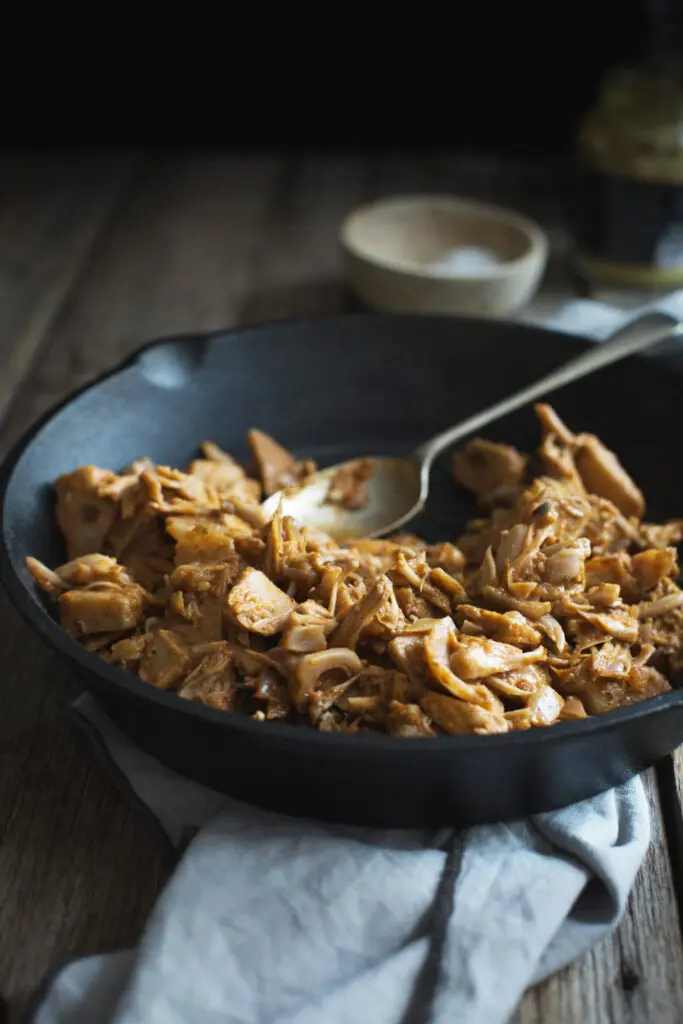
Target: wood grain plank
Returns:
[50, 218]
[204, 243]
[670, 776]
[64, 829]
[177, 261]
[201, 244]
[634, 975]
[72, 849]
[300, 262]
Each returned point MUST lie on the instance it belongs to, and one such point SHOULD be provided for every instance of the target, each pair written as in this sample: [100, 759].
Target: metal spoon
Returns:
[398, 487]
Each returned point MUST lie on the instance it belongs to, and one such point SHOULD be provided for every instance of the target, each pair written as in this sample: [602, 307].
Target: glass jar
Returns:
[629, 211]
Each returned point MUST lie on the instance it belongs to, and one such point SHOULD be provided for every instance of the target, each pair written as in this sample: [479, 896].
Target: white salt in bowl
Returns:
[442, 254]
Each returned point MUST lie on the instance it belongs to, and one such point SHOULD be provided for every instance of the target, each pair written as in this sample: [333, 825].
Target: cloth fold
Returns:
[276, 920]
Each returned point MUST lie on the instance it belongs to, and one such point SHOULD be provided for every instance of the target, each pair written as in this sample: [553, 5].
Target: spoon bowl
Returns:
[394, 495]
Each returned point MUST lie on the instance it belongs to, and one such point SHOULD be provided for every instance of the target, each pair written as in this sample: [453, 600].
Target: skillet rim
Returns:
[41, 622]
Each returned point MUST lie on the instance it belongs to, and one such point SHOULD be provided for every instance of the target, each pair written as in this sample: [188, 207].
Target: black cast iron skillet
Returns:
[333, 389]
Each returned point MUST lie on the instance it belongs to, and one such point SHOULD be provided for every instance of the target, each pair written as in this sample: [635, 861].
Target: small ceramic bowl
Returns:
[442, 254]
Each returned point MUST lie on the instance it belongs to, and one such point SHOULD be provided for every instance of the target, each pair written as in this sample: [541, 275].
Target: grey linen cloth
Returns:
[274, 920]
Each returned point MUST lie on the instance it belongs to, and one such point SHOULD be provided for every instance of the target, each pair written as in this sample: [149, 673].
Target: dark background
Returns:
[509, 77]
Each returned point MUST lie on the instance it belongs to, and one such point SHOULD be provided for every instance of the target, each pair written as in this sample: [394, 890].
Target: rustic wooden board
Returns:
[299, 266]
[79, 870]
[634, 975]
[176, 259]
[105, 257]
[190, 248]
[670, 777]
[50, 220]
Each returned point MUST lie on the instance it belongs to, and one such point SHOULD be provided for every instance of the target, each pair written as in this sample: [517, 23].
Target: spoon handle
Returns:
[635, 336]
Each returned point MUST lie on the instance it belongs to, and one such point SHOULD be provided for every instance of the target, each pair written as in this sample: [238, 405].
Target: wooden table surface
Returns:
[102, 252]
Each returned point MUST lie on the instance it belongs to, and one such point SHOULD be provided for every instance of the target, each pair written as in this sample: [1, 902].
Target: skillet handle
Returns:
[636, 336]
